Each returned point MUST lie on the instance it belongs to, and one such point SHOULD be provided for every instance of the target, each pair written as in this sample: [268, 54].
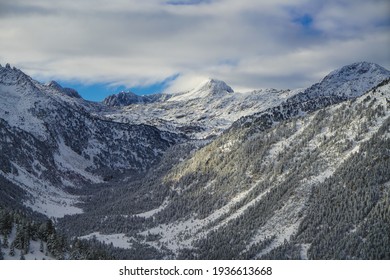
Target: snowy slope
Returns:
[123, 99]
[207, 89]
[345, 83]
[349, 81]
[51, 139]
[205, 111]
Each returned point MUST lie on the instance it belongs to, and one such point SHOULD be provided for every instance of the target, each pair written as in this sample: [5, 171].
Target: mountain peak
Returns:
[357, 70]
[122, 98]
[349, 81]
[8, 67]
[214, 85]
[13, 75]
[54, 84]
[206, 89]
[68, 91]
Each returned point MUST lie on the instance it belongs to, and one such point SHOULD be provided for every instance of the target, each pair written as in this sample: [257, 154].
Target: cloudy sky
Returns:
[171, 45]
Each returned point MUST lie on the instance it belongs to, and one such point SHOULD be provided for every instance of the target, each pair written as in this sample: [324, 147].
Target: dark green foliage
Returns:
[57, 245]
[111, 209]
[6, 221]
[41, 246]
[23, 235]
[12, 250]
[1, 252]
[349, 217]
[286, 251]
[11, 195]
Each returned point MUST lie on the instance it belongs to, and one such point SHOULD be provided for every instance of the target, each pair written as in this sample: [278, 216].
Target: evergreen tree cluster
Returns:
[52, 244]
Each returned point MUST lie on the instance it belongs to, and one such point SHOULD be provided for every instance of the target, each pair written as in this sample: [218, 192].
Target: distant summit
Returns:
[207, 88]
[123, 98]
[67, 91]
[54, 84]
[214, 85]
[354, 71]
[349, 81]
[126, 98]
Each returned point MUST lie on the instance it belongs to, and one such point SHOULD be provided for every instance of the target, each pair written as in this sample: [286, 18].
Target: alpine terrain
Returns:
[205, 174]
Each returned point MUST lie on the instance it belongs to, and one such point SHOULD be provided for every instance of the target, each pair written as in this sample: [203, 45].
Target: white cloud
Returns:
[247, 43]
[185, 82]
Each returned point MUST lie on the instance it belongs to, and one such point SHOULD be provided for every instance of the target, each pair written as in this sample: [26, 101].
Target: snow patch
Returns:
[304, 248]
[43, 197]
[118, 240]
[150, 213]
[68, 160]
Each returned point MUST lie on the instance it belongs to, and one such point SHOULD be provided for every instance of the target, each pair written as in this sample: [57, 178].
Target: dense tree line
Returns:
[349, 217]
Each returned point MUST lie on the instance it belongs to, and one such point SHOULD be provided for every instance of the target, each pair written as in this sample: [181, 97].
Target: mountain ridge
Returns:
[331, 89]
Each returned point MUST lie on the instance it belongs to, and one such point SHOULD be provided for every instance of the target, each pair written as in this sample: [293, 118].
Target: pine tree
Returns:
[49, 227]
[5, 241]
[26, 244]
[41, 246]
[12, 249]
[1, 252]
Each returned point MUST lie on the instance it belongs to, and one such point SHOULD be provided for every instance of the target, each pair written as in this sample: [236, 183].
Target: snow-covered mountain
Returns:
[213, 106]
[207, 110]
[209, 88]
[345, 83]
[68, 91]
[123, 98]
[126, 98]
[349, 81]
[267, 174]
[50, 142]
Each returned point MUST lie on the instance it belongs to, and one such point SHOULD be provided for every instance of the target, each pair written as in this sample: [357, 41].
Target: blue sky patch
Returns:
[92, 92]
[305, 20]
[306, 23]
[99, 91]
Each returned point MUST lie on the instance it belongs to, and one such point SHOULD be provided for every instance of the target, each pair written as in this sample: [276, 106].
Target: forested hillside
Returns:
[267, 192]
